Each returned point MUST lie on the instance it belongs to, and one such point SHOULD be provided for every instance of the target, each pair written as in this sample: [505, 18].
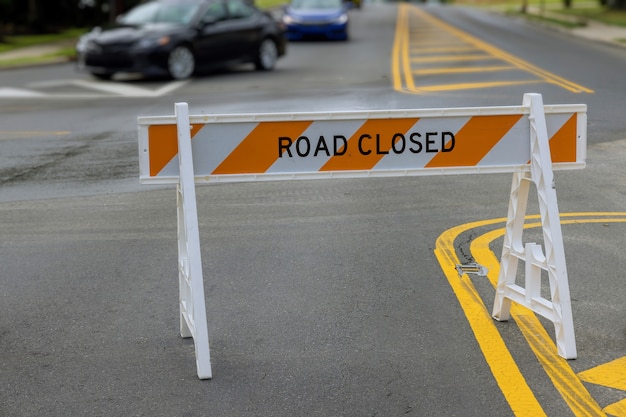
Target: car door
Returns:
[213, 41]
[247, 24]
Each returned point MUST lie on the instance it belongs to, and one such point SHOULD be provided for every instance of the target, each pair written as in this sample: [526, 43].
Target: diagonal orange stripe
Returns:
[479, 135]
[563, 142]
[378, 143]
[163, 145]
[259, 150]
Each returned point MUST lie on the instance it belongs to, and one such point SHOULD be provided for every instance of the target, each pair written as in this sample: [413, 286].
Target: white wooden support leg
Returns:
[558, 309]
[193, 321]
[513, 247]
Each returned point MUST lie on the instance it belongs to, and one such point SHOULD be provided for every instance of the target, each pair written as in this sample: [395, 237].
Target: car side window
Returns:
[238, 9]
[215, 12]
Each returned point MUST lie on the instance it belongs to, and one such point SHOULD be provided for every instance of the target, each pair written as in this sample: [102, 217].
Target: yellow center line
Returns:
[563, 377]
[400, 63]
[401, 58]
[509, 378]
[505, 370]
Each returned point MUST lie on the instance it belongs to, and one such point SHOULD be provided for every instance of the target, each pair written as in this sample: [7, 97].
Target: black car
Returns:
[176, 38]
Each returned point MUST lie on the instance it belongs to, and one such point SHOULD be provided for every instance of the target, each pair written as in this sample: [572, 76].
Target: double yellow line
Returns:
[403, 58]
[512, 383]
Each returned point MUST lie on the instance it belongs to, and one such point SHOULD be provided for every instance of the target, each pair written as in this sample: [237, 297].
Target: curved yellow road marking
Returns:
[506, 372]
[503, 367]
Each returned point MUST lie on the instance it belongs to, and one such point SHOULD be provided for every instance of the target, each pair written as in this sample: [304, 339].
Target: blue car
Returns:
[316, 18]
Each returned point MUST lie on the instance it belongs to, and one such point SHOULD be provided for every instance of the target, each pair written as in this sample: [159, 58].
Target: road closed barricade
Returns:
[530, 141]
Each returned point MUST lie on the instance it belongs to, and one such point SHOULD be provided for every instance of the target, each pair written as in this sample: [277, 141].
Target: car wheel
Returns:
[267, 55]
[181, 63]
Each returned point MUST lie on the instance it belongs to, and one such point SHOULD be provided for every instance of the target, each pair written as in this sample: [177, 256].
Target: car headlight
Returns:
[342, 19]
[288, 20]
[151, 42]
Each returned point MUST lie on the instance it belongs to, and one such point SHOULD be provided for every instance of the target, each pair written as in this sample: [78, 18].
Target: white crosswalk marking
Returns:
[92, 89]
[9, 92]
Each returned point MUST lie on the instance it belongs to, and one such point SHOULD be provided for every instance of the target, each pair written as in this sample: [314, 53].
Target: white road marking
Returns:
[9, 92]
[111, 89]
[127, 90]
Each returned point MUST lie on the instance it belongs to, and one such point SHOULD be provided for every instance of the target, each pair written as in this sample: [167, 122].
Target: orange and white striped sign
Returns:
[529, 140]
[253, 147]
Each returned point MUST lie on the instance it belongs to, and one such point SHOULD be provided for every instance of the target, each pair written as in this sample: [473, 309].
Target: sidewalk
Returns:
[593, 30]
[601, 32]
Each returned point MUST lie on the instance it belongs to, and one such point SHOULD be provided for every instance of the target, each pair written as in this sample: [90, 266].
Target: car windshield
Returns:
[160, 12]
[316, 4]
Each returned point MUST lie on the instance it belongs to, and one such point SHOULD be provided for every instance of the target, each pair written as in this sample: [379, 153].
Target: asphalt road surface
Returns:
[323, 298]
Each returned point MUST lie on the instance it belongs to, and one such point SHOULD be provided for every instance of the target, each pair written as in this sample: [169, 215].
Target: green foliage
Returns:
[15, 42]
[555, 11]
[555, 20]
[268, 4]
[601, 14]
